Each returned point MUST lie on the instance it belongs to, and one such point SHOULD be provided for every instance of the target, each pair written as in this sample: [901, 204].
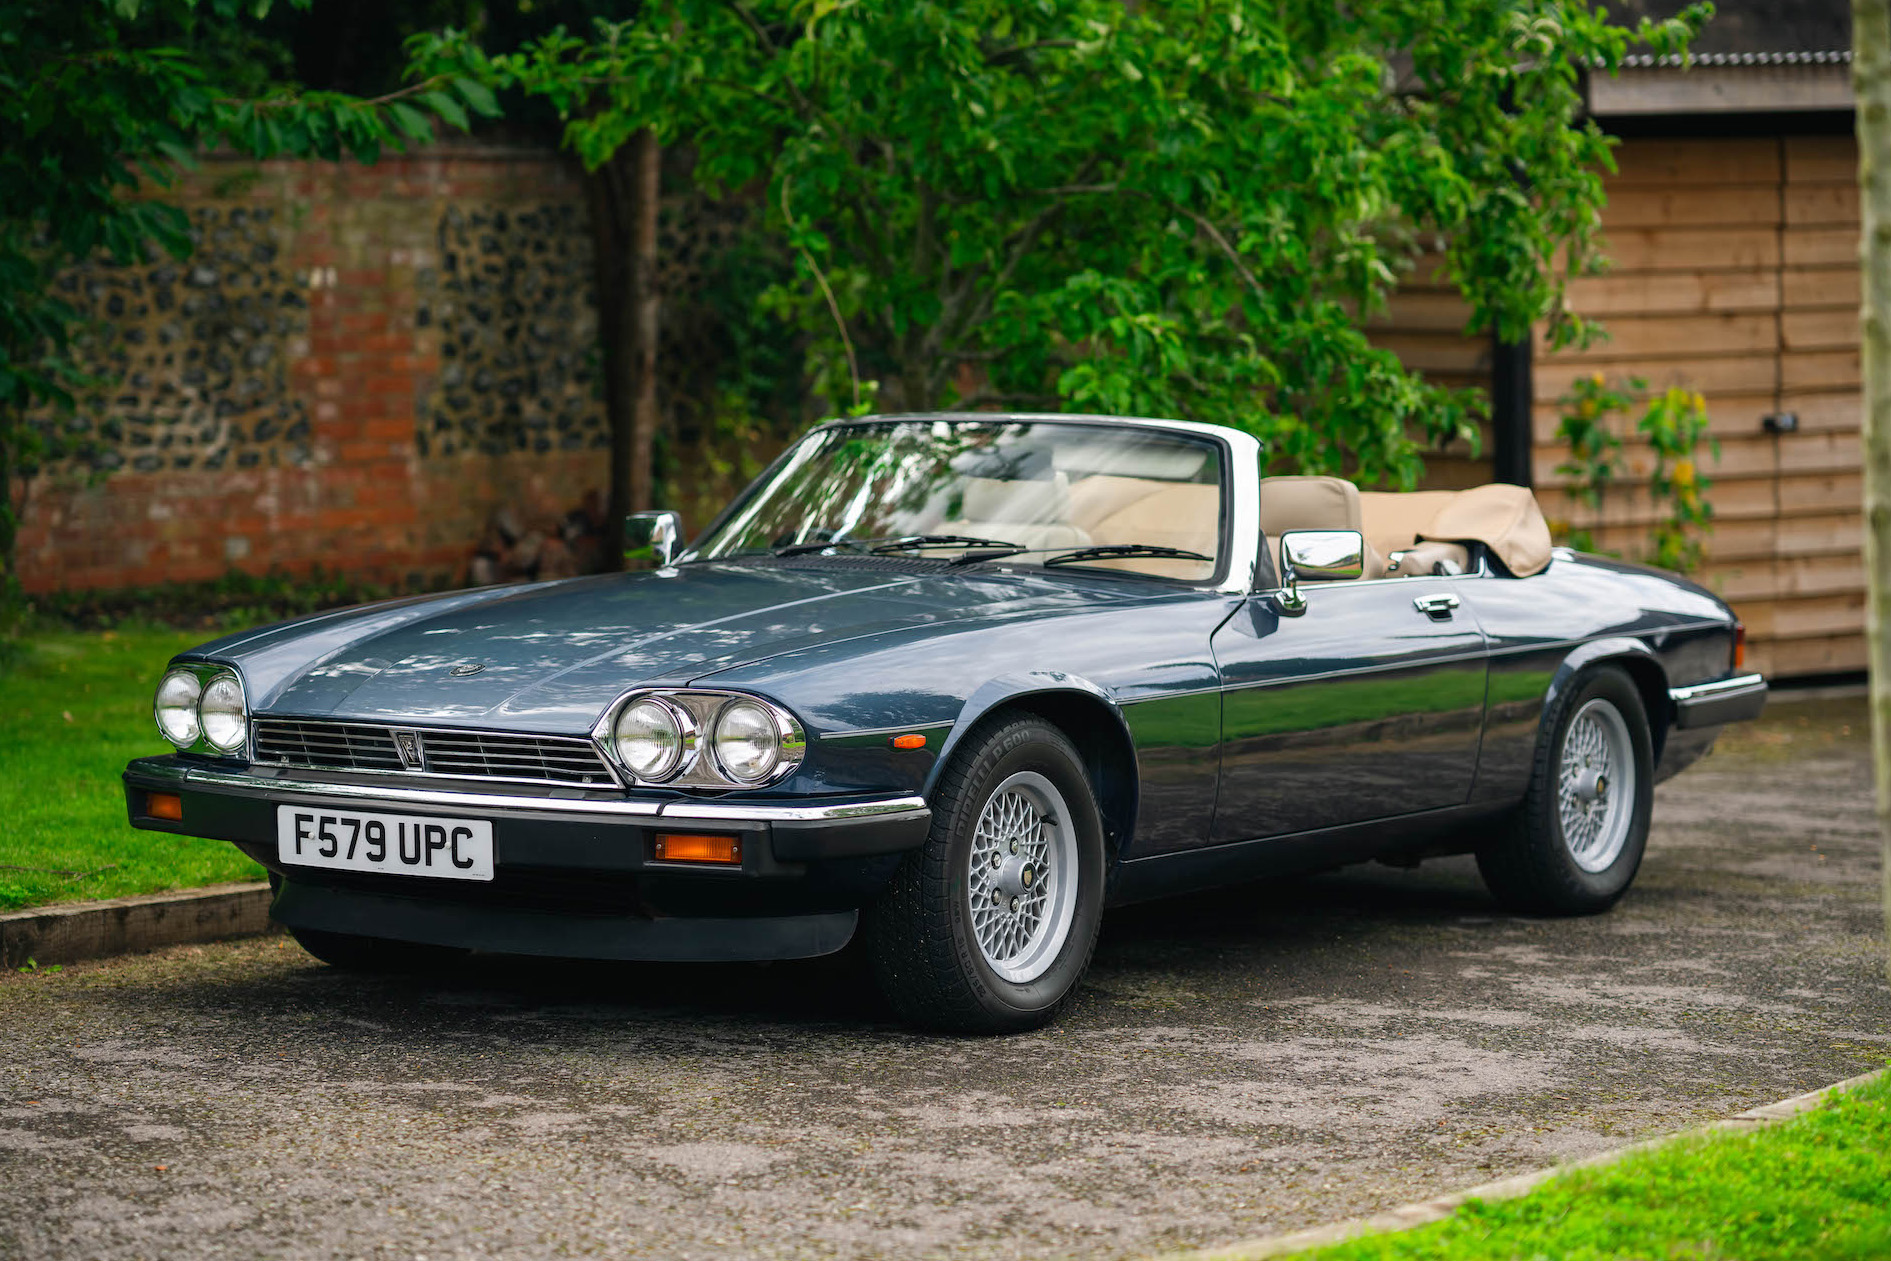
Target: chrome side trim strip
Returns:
[913, 806]
[1719, 687]
[759, 812]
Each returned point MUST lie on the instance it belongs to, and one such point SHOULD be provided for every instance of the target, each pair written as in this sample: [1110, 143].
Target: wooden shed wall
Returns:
[1424, 325]
[1736, 275]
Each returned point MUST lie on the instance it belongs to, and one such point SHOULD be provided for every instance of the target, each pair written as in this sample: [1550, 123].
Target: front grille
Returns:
[329, 745]
[490, 756]
[461, 754]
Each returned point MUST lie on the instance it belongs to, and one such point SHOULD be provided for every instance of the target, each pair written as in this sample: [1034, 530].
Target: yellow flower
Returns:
[1597, 378]
[1684, 473]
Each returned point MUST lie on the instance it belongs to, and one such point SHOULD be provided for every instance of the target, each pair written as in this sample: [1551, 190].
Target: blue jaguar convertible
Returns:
[948, 686]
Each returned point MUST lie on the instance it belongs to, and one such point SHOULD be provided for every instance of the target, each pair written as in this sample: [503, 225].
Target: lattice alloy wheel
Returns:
[989, 926]
[1596, 785]
[1021, 879]
[1574, 843]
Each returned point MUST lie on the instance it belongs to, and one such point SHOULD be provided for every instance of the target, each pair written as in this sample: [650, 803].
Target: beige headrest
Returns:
[1294, 502]
[992, 499]
[1308, 503]
[1504, 518]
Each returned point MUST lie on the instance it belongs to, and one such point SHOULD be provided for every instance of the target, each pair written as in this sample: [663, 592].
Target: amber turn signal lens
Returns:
[911, 740]
[688, 847]
[1739, 645]
[164, 806]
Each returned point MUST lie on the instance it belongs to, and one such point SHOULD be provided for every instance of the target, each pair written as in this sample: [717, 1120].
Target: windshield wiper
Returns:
[815, 545]
[1110, 551]
[922, 542]
[893, 544]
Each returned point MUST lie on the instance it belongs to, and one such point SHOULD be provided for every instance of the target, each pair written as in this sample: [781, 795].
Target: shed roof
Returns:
[1753, 57]
[1756, 32]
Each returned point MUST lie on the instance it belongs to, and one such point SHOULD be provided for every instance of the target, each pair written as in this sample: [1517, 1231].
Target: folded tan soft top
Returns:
[1504, 518]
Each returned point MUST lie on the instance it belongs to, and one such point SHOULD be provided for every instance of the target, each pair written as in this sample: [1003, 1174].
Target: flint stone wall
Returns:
[354, 369]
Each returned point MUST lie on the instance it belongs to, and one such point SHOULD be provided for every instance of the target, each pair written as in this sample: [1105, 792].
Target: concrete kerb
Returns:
[94, 930]
[1438, 1208]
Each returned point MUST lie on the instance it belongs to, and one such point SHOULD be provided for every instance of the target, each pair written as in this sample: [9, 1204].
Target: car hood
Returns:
[552, 657]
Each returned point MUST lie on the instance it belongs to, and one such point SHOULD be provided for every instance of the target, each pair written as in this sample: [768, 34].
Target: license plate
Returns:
[394, 844]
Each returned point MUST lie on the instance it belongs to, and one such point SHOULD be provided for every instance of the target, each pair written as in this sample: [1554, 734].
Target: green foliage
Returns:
[1673, 424]
[101, 105]
[1818, 1186]
[1183, 207]
[1595, 452]
[78, 708]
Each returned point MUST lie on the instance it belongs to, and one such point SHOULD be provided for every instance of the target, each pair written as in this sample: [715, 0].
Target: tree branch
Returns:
[833, 306]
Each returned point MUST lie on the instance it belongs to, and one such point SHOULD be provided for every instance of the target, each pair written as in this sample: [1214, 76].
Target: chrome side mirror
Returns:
[653, 536]
[1316, 556]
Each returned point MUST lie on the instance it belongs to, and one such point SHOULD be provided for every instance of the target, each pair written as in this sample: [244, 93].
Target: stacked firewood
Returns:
[515, 548]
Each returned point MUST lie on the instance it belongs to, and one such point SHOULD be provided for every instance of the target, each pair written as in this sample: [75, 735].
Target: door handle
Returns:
[1436, 606]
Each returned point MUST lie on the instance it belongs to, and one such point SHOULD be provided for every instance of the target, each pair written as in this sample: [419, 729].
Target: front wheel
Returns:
[988, 927]
[1575, 844]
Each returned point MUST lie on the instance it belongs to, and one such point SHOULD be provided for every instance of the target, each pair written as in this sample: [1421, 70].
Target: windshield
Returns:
[1053, 492]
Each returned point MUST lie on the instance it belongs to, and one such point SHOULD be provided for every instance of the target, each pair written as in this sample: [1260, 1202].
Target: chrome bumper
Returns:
[578, 803]
[1739, 699]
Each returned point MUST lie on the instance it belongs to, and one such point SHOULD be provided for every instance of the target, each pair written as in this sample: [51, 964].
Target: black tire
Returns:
[1529, 866]
[919, 934]
[352, 953]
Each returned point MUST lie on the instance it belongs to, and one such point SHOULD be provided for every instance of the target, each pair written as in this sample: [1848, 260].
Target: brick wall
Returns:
[355, 367]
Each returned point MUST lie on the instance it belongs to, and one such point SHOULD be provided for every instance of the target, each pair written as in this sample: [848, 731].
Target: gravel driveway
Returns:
[1258, 1060]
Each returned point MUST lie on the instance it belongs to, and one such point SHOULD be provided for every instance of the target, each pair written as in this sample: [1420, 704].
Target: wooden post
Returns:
[624, 194]
[1871, 78]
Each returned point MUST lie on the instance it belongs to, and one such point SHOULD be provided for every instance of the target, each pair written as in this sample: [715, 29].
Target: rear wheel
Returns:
[1575, 844]
[989, 926]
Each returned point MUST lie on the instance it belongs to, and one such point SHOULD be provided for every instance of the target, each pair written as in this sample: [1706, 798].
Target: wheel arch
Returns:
[1643, 668]
[1088, 717]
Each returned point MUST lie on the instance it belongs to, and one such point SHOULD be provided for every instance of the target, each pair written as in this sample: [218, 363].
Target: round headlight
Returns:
[175, 707]
[223, 714]
[649, 739]
[747, 742]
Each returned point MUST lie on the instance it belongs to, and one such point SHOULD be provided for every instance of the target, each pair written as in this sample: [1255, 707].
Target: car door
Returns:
[1367, 705]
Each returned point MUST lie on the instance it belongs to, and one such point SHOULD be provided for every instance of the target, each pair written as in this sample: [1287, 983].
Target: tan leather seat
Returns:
[1029, 513]
[1393, 519]
[1112, 509]
[1313, 503]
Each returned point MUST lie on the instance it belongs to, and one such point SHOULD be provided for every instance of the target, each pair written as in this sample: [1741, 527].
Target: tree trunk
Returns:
[624, 195]
[1871, 74]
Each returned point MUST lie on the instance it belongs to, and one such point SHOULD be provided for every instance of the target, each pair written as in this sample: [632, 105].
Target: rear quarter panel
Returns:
[1542, 629]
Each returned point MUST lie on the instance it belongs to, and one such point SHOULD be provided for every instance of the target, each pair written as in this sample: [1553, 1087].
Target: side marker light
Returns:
[689, 847]
[911, 740]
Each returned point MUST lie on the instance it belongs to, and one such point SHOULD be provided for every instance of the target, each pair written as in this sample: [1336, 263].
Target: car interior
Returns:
[1414, 533]
[1410, 534]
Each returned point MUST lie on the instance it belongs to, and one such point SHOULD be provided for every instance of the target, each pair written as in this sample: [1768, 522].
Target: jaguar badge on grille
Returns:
[409, 744]
[465, 668]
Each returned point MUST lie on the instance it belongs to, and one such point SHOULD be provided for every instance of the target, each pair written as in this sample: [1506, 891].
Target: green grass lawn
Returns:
[1816, 1188]
[77, 707]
